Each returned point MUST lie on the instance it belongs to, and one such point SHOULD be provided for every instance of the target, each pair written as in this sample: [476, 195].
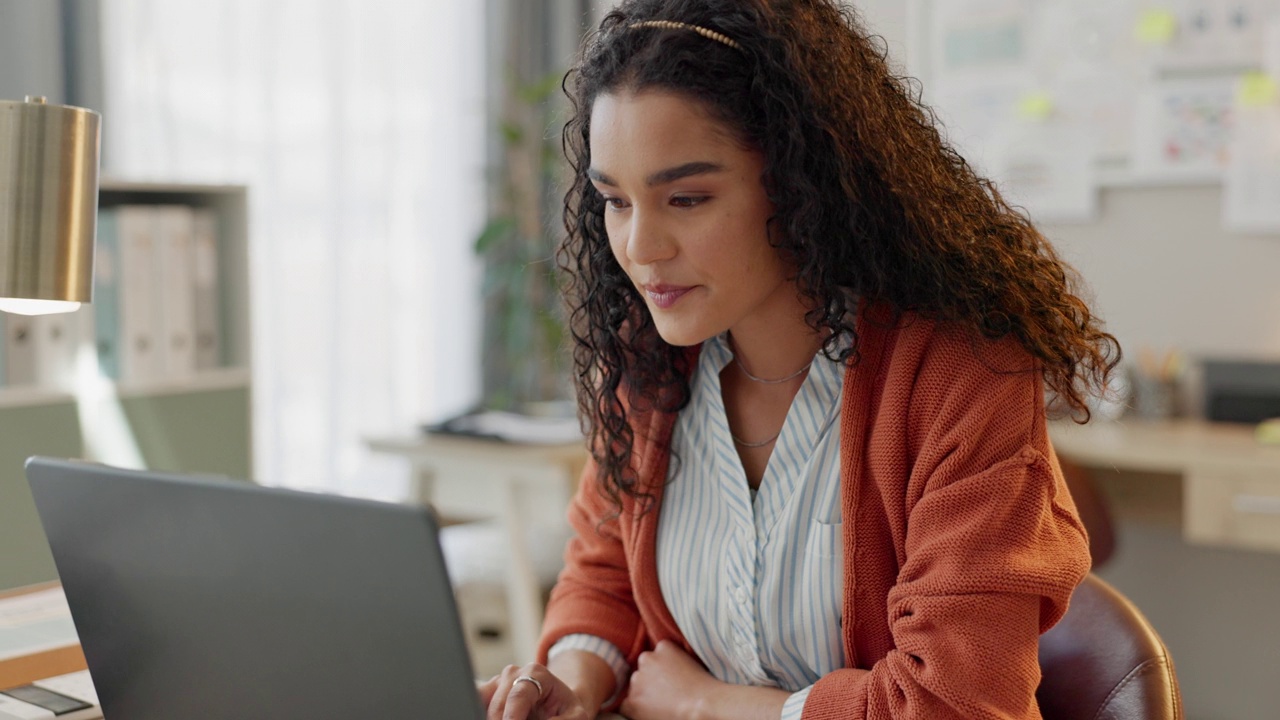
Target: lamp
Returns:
[48, 205]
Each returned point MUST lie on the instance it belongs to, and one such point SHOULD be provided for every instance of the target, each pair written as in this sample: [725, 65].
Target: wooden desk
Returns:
[518, 473]
[1231, 482]
[45, 664]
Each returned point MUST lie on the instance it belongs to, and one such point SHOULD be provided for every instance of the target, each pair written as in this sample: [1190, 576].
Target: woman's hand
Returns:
[667, 685]
[507, 699]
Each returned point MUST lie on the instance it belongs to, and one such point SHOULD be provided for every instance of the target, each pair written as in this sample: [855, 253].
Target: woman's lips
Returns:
[664, 296]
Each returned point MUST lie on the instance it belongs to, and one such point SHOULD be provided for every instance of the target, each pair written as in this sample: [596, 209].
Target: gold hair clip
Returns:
[673, 25]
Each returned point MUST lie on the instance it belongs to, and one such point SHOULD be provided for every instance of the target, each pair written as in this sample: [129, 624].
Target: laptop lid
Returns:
[199, 597]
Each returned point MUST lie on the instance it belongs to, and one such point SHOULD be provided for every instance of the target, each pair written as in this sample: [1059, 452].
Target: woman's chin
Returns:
[681, 335]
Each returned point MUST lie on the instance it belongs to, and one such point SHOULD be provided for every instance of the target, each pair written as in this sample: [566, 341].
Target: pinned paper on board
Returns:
[1251, 188]
[1149, 88]
[1208, 34]
[1105, 106]
[1046, 167]
[980, 58]
[1049, 58]
[1271, 48]
[1183, 129]
[1086, 59]
[979, 36]
[972, 117]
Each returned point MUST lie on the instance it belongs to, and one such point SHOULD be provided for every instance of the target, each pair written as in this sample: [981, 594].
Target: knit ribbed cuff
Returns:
[602, 649]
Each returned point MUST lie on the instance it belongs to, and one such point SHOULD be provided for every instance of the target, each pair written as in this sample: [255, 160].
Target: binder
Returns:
[106, 295]
[208, 316]
[139, 294]
[20, 350]
[55, 340]
[175, 270]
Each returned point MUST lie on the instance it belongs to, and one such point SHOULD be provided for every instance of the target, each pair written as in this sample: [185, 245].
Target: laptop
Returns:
[204, 597]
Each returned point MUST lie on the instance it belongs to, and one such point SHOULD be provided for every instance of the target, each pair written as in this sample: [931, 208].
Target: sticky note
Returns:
[1257, 89]
[1035, 106]
[1156, 27]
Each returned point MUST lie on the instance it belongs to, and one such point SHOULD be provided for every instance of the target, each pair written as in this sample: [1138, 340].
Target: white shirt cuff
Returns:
[794, 707]
[601, 648]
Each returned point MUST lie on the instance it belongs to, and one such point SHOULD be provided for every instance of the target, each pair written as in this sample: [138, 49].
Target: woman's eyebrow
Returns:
[679, 172]
[600, 177]
[663, 176]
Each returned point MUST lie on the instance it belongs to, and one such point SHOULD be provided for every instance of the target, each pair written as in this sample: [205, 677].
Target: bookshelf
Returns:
[199, 422]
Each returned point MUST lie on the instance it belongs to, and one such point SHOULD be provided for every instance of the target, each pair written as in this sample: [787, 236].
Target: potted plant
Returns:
[524, 355]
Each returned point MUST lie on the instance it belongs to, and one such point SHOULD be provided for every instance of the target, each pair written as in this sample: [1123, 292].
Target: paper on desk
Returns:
[35, 622]
[513, 428]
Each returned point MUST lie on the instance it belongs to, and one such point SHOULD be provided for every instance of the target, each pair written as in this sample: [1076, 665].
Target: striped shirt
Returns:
[753, 580]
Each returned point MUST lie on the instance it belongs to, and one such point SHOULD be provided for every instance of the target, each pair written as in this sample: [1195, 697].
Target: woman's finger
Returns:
[486, 690]
[528, 690]
[521, 700]
[498, 700]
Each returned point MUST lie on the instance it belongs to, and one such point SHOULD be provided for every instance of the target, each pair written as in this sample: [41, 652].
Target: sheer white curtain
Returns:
[359, 127]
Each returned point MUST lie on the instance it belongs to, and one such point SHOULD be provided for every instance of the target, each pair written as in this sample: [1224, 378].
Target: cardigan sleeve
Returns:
[593, 594]
[992, 549]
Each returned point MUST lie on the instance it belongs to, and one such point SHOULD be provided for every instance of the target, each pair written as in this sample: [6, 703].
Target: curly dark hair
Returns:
[871, 204]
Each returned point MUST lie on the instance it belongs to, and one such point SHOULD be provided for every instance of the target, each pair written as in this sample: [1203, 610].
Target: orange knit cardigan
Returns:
[961, 542]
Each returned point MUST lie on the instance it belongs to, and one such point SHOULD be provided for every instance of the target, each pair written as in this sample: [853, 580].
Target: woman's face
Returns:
[686, 213]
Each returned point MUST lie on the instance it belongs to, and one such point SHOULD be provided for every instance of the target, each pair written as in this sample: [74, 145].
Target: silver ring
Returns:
[526, 678]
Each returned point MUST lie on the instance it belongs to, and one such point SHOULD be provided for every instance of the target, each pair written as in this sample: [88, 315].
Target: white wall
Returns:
[1166, 275]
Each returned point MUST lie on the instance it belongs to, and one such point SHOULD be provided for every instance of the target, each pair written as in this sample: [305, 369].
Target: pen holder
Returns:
[1154, 398]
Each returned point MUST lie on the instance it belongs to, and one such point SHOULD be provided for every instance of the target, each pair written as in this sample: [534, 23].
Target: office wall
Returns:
[1166, 274]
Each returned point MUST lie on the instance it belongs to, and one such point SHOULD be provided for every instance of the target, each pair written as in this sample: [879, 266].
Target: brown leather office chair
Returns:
[1094, 513]
[1103, 661]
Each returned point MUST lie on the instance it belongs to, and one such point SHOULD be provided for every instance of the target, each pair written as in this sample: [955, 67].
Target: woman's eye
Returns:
[685, 201]
[615, 203]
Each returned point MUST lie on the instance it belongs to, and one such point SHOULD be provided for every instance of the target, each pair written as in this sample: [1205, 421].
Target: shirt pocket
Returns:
[820, 600]
[826, 541]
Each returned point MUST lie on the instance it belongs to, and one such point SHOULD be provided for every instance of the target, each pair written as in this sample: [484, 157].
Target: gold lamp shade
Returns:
[48, 205]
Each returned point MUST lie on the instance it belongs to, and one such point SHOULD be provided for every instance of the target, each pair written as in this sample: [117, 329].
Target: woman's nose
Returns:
[648, 240]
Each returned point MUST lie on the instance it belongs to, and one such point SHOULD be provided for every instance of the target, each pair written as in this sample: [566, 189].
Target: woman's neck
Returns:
[776, 351]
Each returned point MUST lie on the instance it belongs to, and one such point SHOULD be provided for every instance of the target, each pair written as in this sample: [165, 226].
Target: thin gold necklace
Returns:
[760, 444]
[764, 381]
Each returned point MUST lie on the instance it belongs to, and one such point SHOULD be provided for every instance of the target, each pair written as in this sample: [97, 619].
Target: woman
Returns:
[812, 351]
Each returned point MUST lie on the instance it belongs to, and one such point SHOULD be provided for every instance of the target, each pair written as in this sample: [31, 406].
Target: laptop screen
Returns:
[212, 598]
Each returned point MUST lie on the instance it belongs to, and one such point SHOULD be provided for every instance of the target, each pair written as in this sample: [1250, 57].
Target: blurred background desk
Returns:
[1196, 548]
[525, 487]
[1230, 481]
[44, 643]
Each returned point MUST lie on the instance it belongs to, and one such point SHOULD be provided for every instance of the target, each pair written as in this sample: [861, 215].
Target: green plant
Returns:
[524, 357]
